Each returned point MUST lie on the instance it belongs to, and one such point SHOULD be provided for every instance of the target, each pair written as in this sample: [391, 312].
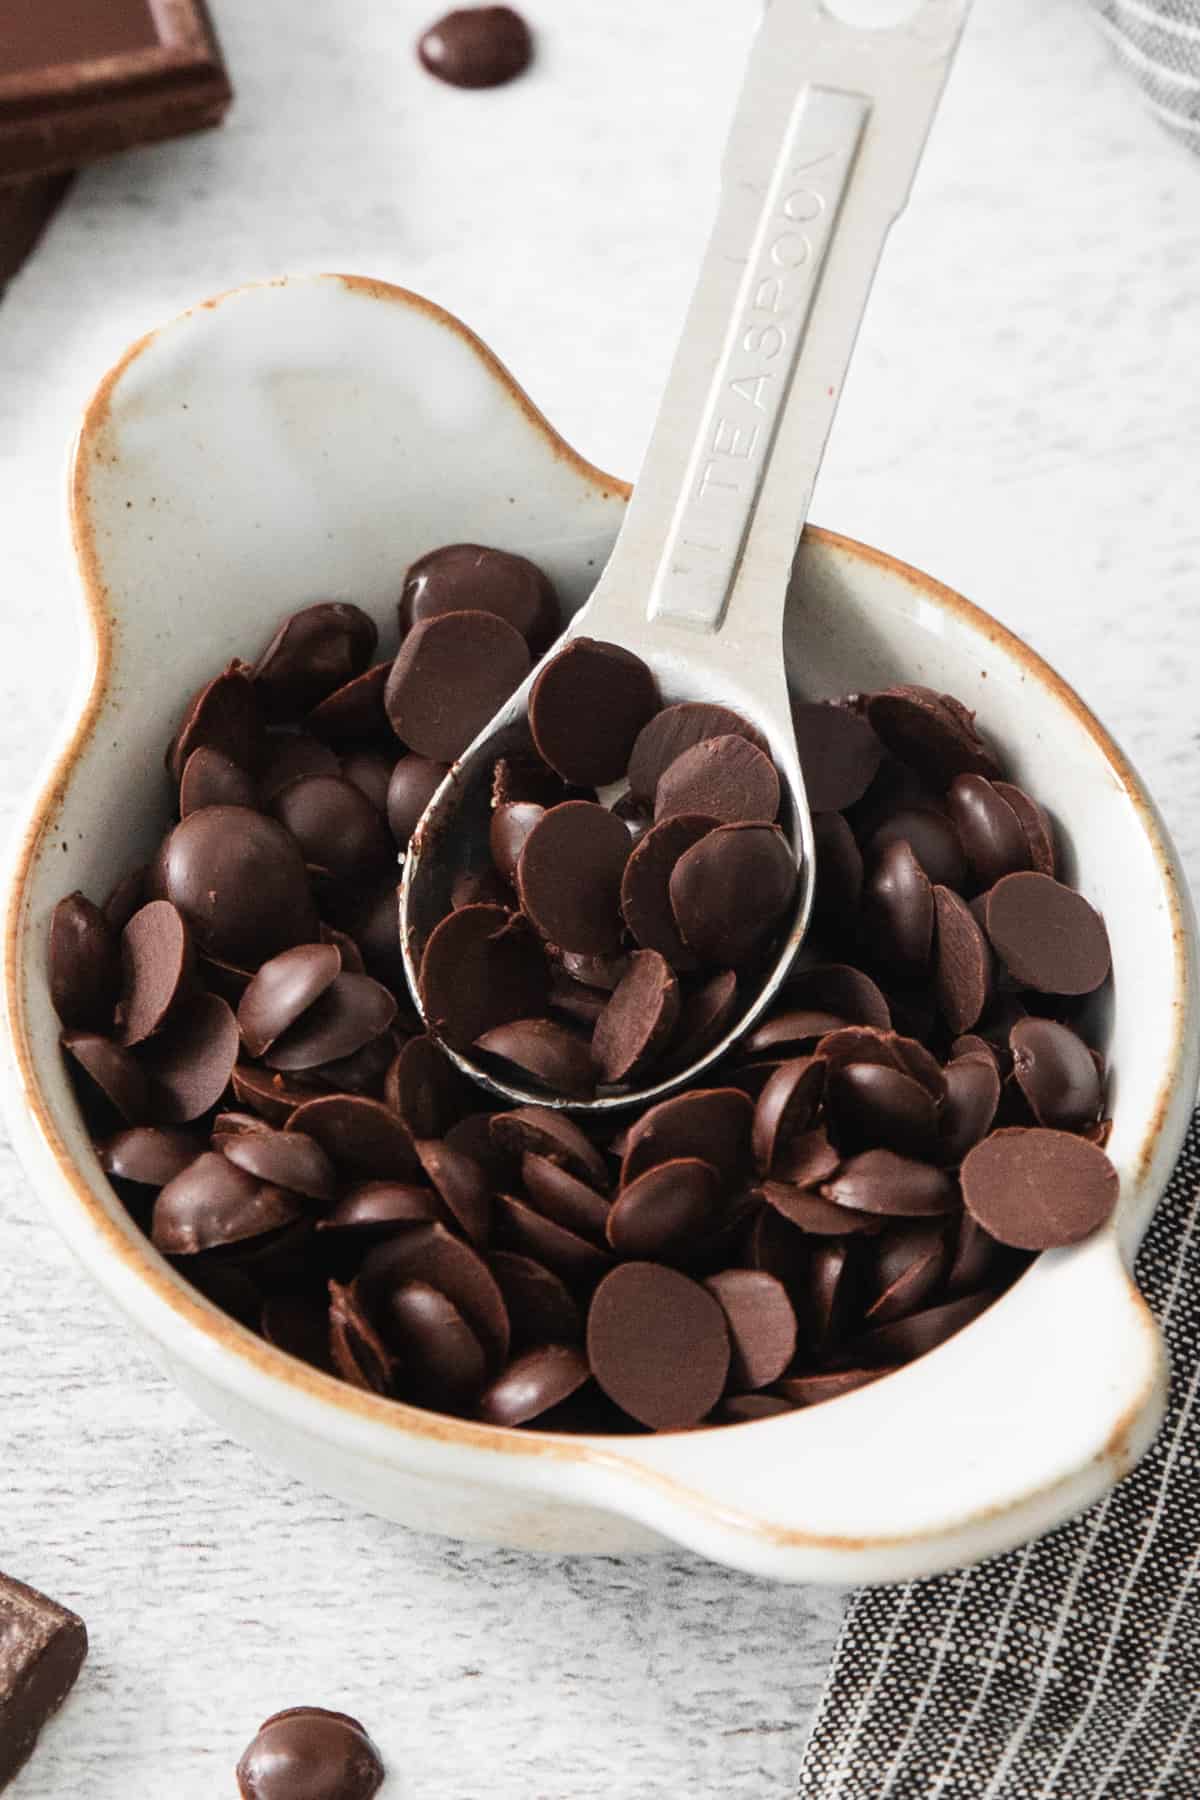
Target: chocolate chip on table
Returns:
[569, 876]
[1047, 935]
[586, 709]
[307, 1753]
[477, 47]
[730, 891]
[239, 880]
[1038, 1189]
[414, 782]
[481, 967]
[451, 674]
[211, 778]
[1057, 1073]
[674, 730]
[474, 578]
[658, 1345]
[726, 778]
[44, 1647]
[839, 754]
[84, 965]
[638, 1021]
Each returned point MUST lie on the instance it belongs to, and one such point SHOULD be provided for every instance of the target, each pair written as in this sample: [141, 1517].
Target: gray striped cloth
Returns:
[1158, 41]
[1069, 1670]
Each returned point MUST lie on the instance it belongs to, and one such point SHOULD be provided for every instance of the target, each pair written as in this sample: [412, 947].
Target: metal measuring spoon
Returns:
[828, 132]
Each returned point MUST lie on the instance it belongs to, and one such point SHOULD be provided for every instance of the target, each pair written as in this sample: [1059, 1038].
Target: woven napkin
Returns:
[1158, 41]
[1069, 1670]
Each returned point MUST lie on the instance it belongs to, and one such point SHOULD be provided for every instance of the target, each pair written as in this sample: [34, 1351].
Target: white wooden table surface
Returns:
[1022, 420]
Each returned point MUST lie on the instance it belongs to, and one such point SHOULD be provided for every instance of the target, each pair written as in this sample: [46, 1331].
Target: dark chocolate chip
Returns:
[273, 1096]
[313, 652]
[761, 1325]
[430, 1253]
[814, 1390]
[730, 891]
[806, 1159]
[974, 1258]
[440, 1361]
[130, 893]
[748, 1409]
[351, 1012]
[336, 827]
[909, 1262]
[85, 965]
[356, 1349]
[192, 1059]
[839, 989]
[370, 771]
[461, 1184]
[212, 1203]
[972, 1096]
[645, 886]
[552, 1134]
[223, 715]
[559, 1194]
[839, 754]
[286, 1159]
[636, 1026]
[872, 1105]
[1048, 936]
[509, 828]
[932, 839]
[810, 1213]
[898, 909]
[289, 756]
[155, 968]
[787, 1106]
[481, 887]
[658, 1345]
[542, 1377]
[356, 712]
[414, 782]
[883, 1182]
[378, 1208]
[1057, 1073]
[712, 1124]
[362, 1136]
[425, 1088]
[674, 730]
[934, 733]
[576, 1259]
[839, 872]
[917, 1333]
[1035, 823]
[473, 578]
[539, 1303]
[569, 876]
[725, 778]
[239, 880]
[551, 1054]
[481, 967]
[298, 1324]
[705, 1014]
[1038, 1189]
[307, 1753]
[211, 778]
[587, 707]
[453, 672]
[992, 835]
[283, 990]
[963, 970]
[661, 1211]
[477, 47]
[148, 1154]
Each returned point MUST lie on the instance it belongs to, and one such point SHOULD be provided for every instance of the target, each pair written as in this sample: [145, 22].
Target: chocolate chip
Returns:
[705, 1014]
[1057, 1074]
[85, 965]
[481, 967]
[909, 1261]
[972, 1096]
[645, 886]
[148, 1154]
[288, 756]
[477, 47]
[787, 1106]
[363, 1137]
[283, 989]
[973, 1260]
[223, 715]
[636, 1025]
[548, 1053]
[828, 1290]
[839, 754]
[355, 713]
[193, 1059]
[239, 880]
[429, 1253]
[538, 1301]
[814, 1390]
[839, 989]
[560, 1195]
[729, 891]
[452, 673]
[748, 1409]
[1048, 935]
[658, 1345]
[370, 771]
[871, 1105]
[336, 827]
[934, 733]
[273, 1096]
[129, 893]
[313, 652]
[674, 730]
[712, 1124]
[932, 839]
[963, 962]
[299, 1325]
[473, 578]
[211, 779]
[660, 1211]
[155, 969]
[375, 1209]
[414, 782]
[569, 876]
[212, 1203]
[481, 887]
[510, 827]
[898, 909]
[440, 1361]
[1038, 1189]
[724, 778]
[882, 1182]
[538, 1130]
[1035, 823]
[286, 1159]
[806, 1159]
[992, 835]
[839, 866]
[425, 1088]
[576, 1259]
[810, 1213]
[462, 1186]
[917, 1333]
[542, 1377]
[351, 1012]
[307, 1753]
[761, 1325]
[587, 707]
[358, 1353]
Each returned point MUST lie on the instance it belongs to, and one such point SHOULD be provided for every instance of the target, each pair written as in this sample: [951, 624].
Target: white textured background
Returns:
[1023, 420]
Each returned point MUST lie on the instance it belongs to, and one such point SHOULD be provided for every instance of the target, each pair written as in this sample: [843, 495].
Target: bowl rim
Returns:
[204, 1327]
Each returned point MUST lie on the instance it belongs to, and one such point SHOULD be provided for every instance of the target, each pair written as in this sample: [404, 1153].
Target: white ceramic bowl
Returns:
[308, 438]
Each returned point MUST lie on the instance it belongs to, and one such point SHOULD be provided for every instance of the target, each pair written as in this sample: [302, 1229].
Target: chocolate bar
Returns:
[42, 1647]
[81, 79]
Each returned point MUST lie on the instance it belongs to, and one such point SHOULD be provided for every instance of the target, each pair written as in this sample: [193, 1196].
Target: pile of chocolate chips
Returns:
[873, 1164]
[605, 944]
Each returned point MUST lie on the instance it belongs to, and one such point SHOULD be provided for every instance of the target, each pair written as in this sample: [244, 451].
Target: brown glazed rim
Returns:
[224, 1334]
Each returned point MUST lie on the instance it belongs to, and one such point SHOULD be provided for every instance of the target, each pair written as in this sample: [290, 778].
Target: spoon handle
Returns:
[828, 132]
